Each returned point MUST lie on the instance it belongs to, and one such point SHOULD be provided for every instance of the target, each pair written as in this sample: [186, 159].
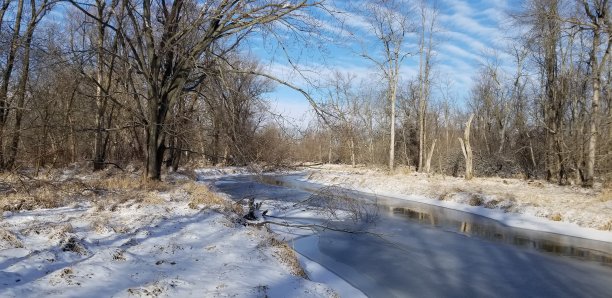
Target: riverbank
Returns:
[107, 234]
[535, 205]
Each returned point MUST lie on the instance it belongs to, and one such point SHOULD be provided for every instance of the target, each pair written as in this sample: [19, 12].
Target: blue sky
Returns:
[470, 32]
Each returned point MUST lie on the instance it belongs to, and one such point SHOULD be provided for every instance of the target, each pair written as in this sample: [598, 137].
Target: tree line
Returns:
[542, 108]
[166, 82]
[112, 82]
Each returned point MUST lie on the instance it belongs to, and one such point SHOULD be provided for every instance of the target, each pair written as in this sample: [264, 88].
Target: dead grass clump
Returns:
[286, 255]
[60, 231]
[121, 229]
[607, 226]
[445, 196]
[491, 204]
[152, 198]
[73, 244]
[100, 226]
[9, 240]
[117, 183]
[127, 182]
[476, 200]
[238, 209]
[67, 273]
[200, 195]
[605, 195]
[43, 198]
[27, 193]
[403, 170]
[555, 217]
[119, 256]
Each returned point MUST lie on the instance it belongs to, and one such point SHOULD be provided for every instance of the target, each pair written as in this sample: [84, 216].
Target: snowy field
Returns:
[536, 205]
[146, 247]
[94, 236]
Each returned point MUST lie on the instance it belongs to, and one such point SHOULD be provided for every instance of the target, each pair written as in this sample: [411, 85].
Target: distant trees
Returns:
[547, 116]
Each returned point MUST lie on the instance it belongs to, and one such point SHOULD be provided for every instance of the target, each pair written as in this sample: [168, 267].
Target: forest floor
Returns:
[529, 204]
[100, 235]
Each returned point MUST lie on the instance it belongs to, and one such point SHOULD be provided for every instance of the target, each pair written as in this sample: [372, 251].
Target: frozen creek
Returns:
[421, 250]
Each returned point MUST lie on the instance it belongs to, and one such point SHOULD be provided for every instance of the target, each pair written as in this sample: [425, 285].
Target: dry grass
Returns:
[200, 195]
[9, 240]
[605, 195]
[107, 190]
[556, 217]
[286, 255]
[476, 200]
[129, 183]
[29, 193]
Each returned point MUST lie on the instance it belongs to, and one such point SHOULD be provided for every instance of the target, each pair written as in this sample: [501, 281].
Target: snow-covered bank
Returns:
[531, 205]
[158, 246]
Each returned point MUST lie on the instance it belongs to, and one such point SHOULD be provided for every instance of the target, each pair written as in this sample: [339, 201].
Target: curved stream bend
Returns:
[433, 251]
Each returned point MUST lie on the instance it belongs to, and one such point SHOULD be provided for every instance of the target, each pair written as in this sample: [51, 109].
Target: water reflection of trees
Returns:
[492, 232]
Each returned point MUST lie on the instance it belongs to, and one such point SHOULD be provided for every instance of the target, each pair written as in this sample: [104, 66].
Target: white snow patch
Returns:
[140, 249]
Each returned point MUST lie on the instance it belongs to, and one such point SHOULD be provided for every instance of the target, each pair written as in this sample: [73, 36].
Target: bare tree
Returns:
[466, 148]
[427, 29]
[390, 23]
[166, 42]
[8, 71]
[37, 11]
[600, 24]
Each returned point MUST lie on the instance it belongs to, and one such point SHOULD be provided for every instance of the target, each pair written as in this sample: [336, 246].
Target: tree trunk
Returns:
[6, 76]
[591, 158]
[329, 153]
[600, 25]
[158, 107]
[467, 149]
[21, 91]
[101, 100]
[392, 139]
[429, 156]
[352, 152]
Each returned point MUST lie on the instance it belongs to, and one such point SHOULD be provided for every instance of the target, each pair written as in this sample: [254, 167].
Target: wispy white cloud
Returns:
[469, 36]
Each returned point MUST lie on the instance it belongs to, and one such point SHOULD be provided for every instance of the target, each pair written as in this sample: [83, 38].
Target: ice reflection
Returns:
[501, 234]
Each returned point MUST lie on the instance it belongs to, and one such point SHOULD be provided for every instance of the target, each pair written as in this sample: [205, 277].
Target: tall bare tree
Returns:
[600, 25]
[428, 15]
[389, 21]
[166, 43]
[37, 12]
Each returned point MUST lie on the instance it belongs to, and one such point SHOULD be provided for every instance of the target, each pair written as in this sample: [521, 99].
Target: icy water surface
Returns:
[421, 250]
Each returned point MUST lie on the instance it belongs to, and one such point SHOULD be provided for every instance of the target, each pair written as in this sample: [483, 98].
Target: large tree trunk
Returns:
[467, 150]
[158, 106]
[601, 24]
[101, 100]
[6, 75]
[21, 90]
[591, 158]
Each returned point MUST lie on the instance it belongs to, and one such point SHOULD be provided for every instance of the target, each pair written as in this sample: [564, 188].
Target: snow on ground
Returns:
[535, 205]
[143, 248]
[217, 172]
